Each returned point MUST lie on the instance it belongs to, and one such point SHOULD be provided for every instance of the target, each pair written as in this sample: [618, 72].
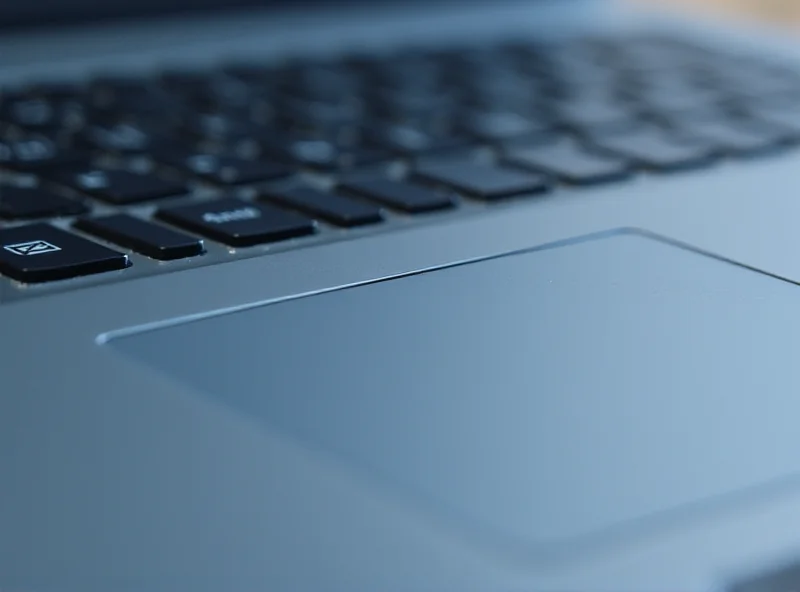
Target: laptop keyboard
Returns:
[100, 174]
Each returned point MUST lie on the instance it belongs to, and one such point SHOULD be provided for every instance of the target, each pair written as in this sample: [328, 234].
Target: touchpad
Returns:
[540, 397]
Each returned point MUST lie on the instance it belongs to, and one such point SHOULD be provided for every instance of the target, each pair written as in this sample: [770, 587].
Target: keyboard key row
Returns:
[580, 87]
[529, 167]
[41, 252]
[355, 203]
[280, 153]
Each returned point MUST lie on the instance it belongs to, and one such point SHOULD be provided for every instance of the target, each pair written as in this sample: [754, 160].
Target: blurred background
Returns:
[781, 13]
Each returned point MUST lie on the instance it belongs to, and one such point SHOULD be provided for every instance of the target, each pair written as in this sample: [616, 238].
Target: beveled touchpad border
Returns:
[543, 399]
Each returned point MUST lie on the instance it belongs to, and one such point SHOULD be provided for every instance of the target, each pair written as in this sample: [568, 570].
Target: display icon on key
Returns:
[36, 247]
[59, 255]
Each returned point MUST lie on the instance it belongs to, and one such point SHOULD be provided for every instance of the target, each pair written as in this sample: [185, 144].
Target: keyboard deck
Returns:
[99, 174]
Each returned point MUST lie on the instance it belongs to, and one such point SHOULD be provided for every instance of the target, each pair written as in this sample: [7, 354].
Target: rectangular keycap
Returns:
[480, 180]
[503, 125]
[735, 137]
[223, 169]
[25, 203]
[321, 153]
[656, 149]
[398, 195]
[787, 120]
[238, 223]
[567, 160]
[120, 137]
[150, 239]
[336, 209]
[37, 153]
[31, 113]
[587, 113]
[119, 186]
[43, 253]
[414, 141]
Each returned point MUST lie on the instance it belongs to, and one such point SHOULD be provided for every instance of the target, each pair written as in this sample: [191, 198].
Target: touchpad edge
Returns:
[540, 397]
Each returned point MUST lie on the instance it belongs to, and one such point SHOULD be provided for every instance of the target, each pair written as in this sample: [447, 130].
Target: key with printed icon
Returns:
[238, 223]
[42, 253]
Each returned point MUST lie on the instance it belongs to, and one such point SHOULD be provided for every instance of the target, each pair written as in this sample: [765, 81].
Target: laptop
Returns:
[396, 297]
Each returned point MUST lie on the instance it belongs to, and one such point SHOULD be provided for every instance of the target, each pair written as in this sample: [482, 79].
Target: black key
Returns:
[223, 169]
[238, 223]
[493, 98]
[37, 152]
[759, 86]
[321, 81]
[413, 199]
[123, 138]
[178, 80]
[786, 119]
[492, 82]
[656, 149]
[206, 88]
[411, 105]
[321, 113]
[480, 180]
[37, 113]
[118, 186]
[219, 127]
[43, 253]
[566, 159]
[571, 74]
[323, 153]
[60, 90]
[504, 125]
[317, 152]
[412, 141]
[738, 137]
[143, 237]
[336, 209]
[120, 137]
[136, 98]
[404, 72]
[226, 92]
[591, 114]
[25, 203]
[676, 97]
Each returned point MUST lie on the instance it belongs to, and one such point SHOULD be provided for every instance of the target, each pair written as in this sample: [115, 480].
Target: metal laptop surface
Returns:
[592, 390]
